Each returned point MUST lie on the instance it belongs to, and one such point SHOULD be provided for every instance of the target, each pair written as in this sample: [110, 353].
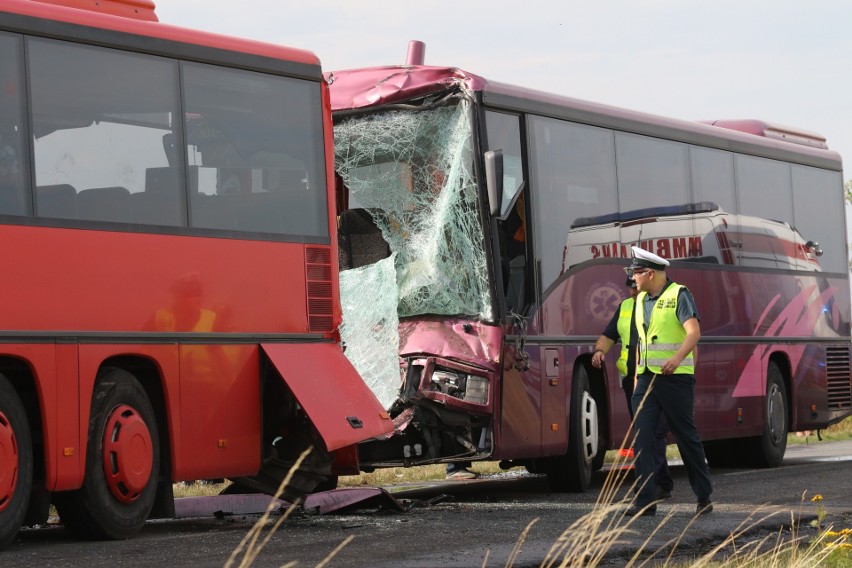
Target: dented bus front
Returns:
[416, 288]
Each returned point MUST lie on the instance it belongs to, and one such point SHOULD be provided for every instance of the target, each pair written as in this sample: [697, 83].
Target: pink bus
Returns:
[495, 220]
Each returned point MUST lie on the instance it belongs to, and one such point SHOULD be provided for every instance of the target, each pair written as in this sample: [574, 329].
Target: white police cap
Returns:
[645, 259]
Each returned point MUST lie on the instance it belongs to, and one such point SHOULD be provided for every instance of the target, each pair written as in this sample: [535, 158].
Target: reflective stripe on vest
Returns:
[665, 333]
[625, 313]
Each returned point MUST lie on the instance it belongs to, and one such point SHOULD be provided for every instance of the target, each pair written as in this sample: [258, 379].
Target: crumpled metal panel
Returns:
[463, 340]
[379, 85]
[219, 505]
[349, 498]
[330, 391]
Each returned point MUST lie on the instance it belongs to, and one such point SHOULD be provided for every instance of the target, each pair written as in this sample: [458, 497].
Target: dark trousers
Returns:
[661, 465]
[671, 396]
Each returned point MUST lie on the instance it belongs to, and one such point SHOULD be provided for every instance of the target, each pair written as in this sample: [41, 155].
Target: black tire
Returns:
[329, 484]
[115, 499]
[38, 511]
[573, 471]
[16, 463]
[768, 449]
[280, 459]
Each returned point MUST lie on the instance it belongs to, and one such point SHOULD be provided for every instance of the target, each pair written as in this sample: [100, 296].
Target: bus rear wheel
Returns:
[768, 449]
[122, 463]
[573, 471]
[16, 463]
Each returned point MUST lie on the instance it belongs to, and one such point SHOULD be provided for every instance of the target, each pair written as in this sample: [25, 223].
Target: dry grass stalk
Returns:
[519, 544]
[250, 542]
[587, 541]
[334, 552]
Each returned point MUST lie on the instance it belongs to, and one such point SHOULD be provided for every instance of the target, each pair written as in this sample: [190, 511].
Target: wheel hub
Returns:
[8, 462]
[590, 427]
[127, 453]
[775, 415]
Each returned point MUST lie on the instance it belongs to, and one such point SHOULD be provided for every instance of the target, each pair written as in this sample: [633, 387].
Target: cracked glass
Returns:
[412, 170]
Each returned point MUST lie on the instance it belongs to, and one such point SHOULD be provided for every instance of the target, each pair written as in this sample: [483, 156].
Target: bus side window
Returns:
[11, 179]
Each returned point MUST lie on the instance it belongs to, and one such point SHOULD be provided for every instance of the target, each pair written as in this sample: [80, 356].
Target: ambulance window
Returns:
[651, 172]
[573, 176]
[818, 216]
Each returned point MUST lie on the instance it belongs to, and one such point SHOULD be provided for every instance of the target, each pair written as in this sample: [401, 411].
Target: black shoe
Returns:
[636, 510]
[704, 506]
[663, 494]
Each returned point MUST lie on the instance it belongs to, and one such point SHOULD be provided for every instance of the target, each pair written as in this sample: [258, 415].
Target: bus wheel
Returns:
[16, 463]
[768, 449]
[122, 463]
[573, 471]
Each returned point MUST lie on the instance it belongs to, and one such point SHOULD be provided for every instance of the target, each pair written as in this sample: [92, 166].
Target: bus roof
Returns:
[374, 86]
[139, 9]
[138, 17]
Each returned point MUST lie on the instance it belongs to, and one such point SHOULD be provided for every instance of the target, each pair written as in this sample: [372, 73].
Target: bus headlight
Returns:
[477, 389]
[470, 388]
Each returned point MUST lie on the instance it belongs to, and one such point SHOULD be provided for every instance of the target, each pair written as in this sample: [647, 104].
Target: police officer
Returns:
[668, 331]
[622, 328]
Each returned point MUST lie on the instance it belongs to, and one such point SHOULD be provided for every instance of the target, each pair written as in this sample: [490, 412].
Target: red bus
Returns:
[508, 215]
[171, 303]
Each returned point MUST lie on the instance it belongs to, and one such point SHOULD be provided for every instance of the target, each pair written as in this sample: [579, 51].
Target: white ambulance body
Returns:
[694, 231]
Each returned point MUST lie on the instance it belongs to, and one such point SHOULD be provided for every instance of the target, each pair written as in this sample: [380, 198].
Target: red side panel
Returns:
[334, 396]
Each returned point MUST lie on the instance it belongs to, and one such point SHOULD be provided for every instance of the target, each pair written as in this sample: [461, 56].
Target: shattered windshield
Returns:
[412, 170]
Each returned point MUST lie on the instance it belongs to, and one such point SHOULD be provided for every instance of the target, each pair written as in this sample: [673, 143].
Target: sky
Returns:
[786, 62]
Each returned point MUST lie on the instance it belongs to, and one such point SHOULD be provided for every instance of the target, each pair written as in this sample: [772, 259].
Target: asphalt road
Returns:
[461, 524]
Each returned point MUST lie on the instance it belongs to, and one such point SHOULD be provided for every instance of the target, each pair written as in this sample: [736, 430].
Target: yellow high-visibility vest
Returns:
[625, 313]
[665, 333]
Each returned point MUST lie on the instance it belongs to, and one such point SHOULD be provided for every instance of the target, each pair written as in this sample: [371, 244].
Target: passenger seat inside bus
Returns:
[160, 203]
[360, 241]
[56, 201]
[104, 204]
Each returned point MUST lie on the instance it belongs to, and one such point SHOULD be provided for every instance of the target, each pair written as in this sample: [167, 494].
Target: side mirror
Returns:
[814, 247]
[494, 179]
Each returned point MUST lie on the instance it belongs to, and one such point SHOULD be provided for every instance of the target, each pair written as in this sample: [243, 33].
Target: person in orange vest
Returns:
[622, 328]
[668, 331]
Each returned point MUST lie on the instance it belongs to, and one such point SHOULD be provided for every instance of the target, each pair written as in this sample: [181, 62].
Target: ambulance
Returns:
[700, 231]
